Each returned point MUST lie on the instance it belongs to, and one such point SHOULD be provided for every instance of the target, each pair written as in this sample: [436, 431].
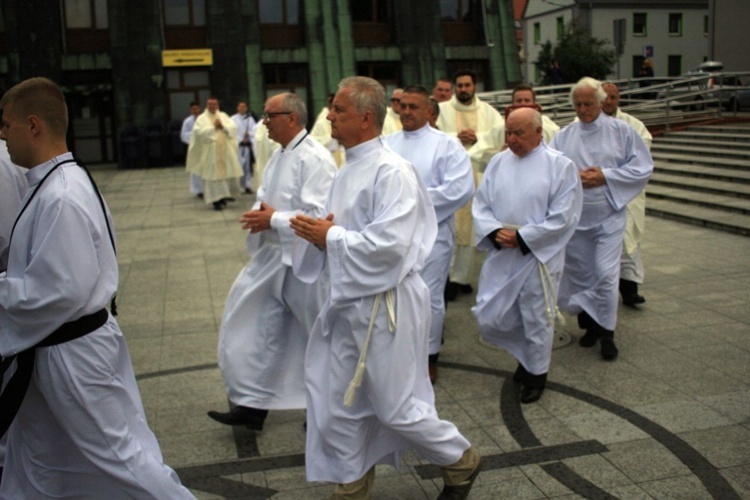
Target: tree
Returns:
[579, 55]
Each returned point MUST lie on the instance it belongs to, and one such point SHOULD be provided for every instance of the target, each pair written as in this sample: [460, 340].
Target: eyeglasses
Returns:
[268, 116]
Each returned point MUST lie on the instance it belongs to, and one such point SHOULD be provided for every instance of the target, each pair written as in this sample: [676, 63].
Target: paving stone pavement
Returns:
[670, 418]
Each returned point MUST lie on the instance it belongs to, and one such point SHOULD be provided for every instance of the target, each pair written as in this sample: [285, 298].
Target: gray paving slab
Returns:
[670, 418]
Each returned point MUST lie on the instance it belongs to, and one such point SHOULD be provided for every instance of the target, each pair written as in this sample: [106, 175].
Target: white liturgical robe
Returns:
[321, 132]
[384, 229]
[269, 312]
[445, 168]
[631, 265]
[245, 137]
[263, 148]
[81, 430]
[13, 186]
[540, 194]
[196, 183]
[592, 265]
[213, 154]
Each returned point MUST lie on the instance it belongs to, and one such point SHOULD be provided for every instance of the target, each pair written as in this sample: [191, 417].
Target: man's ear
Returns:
[35, 124]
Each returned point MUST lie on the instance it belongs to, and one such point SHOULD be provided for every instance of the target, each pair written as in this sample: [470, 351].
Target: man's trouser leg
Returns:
[361, 489]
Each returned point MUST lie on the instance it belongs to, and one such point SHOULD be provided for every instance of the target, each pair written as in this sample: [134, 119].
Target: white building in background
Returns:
[673, 33]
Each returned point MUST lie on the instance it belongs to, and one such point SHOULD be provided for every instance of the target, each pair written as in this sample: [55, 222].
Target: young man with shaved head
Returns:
[80, 429]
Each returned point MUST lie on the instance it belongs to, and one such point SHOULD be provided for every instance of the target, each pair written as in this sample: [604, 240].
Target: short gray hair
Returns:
[294, 104]
[589, 83]
[367, 94]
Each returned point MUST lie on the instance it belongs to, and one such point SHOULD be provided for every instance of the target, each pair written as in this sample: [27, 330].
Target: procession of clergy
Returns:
[357, 227]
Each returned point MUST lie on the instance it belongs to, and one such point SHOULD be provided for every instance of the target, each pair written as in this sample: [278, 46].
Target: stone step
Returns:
[695, 214]
[670, 156]
[726, 128]
[695, 134]
[694, 184]
[724, 202]
[738, 154]
[704, 171]
[708, 142]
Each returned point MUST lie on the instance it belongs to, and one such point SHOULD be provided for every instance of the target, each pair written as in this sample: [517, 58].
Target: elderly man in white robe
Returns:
[80, 430]
[632, 272]
[245, 130]
[13, 186]
[525, 212]
[445, 168]
[269, 312]
[480, 128]
[196, 183]
[213, 155]
[615, 165]
[369, 395]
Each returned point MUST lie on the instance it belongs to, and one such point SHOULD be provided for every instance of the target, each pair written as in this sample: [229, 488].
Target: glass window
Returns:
[369, 11]
[184, 12]
[639, 24]
[537, 33]
[560, 27]
[86, 14]
[177, 12]
[78, 14]
[674, 65]
[675, 24]
[276, 12]
[705, 25]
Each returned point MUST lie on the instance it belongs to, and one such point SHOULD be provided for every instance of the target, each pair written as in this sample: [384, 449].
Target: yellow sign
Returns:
[187, 57]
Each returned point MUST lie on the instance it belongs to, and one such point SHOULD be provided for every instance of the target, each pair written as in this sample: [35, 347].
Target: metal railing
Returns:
[659, 102]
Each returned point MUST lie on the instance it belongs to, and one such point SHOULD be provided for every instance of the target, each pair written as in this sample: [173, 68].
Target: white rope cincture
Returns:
[390, 302]
[550, 301]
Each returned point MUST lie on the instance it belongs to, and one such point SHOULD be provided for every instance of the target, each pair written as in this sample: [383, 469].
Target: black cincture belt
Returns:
[12, 397]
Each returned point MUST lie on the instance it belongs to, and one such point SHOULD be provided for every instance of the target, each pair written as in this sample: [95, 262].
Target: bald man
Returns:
[525, 212]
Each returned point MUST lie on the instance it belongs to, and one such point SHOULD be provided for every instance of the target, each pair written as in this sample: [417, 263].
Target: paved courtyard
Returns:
[670, 418]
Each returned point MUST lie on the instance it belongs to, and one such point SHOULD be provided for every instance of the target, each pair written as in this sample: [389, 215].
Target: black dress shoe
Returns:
[609, 349]
[451, 292]
[589, 339]
[248, 191]
[629, 292]
[531, 394]
[252, 418]
[633, 300]
[199, 195]
[218, 205]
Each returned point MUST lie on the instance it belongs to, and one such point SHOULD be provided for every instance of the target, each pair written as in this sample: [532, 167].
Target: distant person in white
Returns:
[80, 430]
[269, 312]
[445, 168]
[525, 212]
[614, 165]
[632, 272]
[196, 183]
[245, 135]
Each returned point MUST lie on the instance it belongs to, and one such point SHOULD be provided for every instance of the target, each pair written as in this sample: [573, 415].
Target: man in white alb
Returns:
[369, 395]
[80, 429]
[524, 95]
[525, 211]
[480, 128]
[214, 156]
[614, 165]
[245, 130]
[392, 122]
[445, 168]
[632, 272]
[269, 312]
[196, 183]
